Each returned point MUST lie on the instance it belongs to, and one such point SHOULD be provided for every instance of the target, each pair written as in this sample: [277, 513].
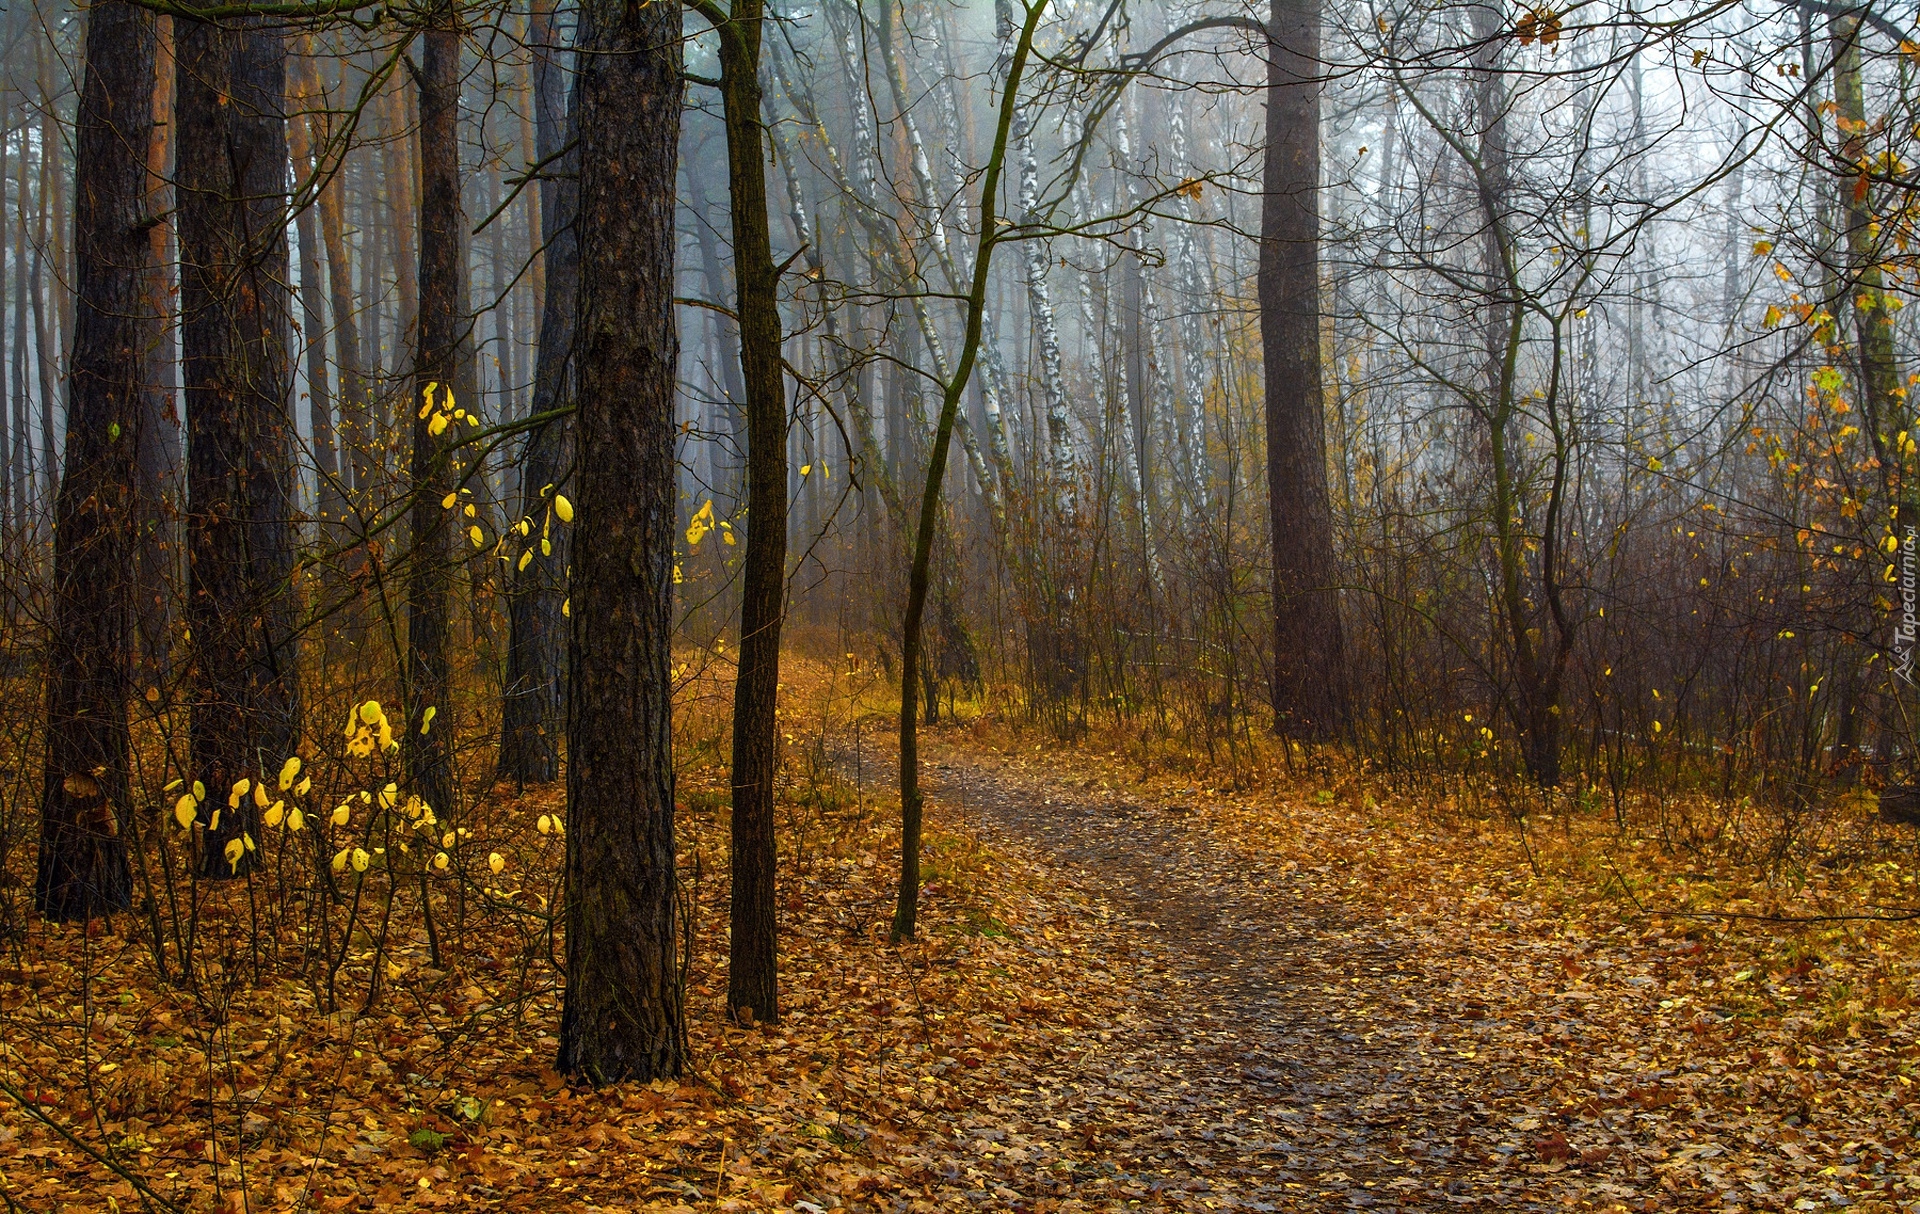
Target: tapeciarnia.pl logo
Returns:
[1908, 625]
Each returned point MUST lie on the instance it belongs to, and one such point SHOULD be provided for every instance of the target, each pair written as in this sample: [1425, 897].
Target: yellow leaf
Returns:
[340, 814]
[288, 771]
[544, 825]
[340, 859]
[563, 507]
[426, 719]
[389, 796]
[300, 789]
[371, 712]
[446, 503]
[496, 862]
[526, 558]
[478, 536]
[185, 810]
[361, 859]
[1773, 316]
[233, 851]
[440, 861]
[296, 820]
[276, 814]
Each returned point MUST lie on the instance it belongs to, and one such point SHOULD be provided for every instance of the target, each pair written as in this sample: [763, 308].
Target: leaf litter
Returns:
[1131, 992]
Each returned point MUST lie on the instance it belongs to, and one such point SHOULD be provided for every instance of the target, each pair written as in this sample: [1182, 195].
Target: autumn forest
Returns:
[917, 605]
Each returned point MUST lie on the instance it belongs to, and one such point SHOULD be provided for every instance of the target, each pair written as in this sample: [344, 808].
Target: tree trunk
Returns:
[305, 140]
[22, 440]
[157, 555]
[907, 903]
[356, 470]
[533, 704]
[83, 858]
[752, 985]
[443, 364]
[8, 510]
[622, 1017]
[1309, 684]
[52, 218]
[1880, 387]
[231, 147]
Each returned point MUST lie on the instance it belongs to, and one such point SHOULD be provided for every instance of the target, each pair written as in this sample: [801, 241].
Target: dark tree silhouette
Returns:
[231, 148]
[1309, 684]
[83, 858]
[622, 1017]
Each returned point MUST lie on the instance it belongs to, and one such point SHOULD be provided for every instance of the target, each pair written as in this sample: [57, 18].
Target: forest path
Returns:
[1283, 1049]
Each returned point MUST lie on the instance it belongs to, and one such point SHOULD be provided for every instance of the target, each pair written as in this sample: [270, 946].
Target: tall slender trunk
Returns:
[1309, 659]
[8, 512]
[403, 206]
[1880, 388]
[23, 490]
[622, 1016]
[442, 365]
[752, 985]
[533, 703]
[46, 343]
[54, 323]
[304, 140]
[906, 906]
[157, 555]
[231, 147]
[86, 802]
[355, 436]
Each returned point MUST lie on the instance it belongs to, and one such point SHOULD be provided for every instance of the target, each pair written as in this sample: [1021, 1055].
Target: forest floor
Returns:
[1135, 987]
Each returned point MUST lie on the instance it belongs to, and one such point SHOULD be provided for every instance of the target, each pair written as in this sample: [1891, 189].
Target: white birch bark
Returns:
[1196, 292]
[1156, 387]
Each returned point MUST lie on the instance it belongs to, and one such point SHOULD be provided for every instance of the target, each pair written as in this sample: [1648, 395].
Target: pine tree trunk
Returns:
[533, 704]
[752, 983]
[86, 801]
[157, 556]
[442, 366]
[231, 147]
[622, 1016]
[1309, 684]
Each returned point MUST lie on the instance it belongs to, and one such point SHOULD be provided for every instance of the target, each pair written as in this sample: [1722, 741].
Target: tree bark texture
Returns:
[622, 1016]
[83, 858]
[231, 148]
[440, 367]
[533, 705]
[752, 985]
[1309, 684]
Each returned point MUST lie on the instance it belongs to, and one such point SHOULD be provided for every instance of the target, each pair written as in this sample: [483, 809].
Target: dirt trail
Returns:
[1256, 1069]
